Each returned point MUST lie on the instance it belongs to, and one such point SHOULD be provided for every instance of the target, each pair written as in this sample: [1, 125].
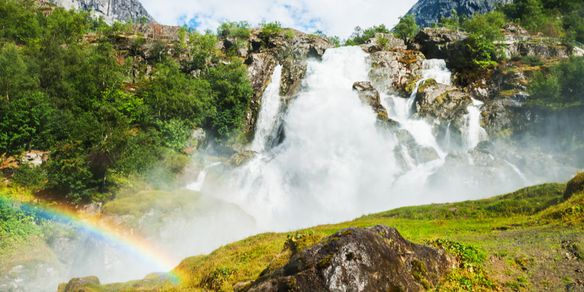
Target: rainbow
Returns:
[103, 231]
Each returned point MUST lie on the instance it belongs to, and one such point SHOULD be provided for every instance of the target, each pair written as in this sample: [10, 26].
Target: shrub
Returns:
[33, 178]
[361, 36]
[270, 30]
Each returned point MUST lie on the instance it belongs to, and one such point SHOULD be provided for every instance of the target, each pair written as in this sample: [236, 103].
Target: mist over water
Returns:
[335, 163]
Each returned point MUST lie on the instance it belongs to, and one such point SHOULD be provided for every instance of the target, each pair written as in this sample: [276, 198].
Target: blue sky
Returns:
[335, 17]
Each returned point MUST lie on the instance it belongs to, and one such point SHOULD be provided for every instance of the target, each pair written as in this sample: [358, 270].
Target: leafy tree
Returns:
[232, 91]
[18, 21]
[170, 94]
[15, 77]
[407, 28]
[25, 123]
[361, 36]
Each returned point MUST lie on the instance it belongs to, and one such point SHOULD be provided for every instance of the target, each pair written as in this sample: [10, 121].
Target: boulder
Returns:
[360, 259]
[442, 102]
[576, 185]
[370, 96]
[440, 43]
[392, 71]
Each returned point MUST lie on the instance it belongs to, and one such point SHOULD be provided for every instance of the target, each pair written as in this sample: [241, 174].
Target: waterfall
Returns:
[334, 164]
[403, 110]
[474, 133]
[269, 112]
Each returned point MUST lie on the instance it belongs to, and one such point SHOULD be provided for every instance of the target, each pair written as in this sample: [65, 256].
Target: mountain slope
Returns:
[428, 12]
[111, 10]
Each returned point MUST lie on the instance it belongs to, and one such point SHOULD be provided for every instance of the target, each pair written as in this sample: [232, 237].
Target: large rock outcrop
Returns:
[356, 259]
[428, 12]
[110, 10]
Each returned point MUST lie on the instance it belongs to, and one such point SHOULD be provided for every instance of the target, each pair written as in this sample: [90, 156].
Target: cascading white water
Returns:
[431, 69]
[402, 109]
[474, 133]
[334, 163]
[268, 115]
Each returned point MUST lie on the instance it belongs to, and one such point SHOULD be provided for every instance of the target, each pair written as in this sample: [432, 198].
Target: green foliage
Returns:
[79, 98]
[361, 36]
[237, 33]
[560, 87]
[407, 28]
[232, 95]
[238, 30]
[170, 94]
[203, 51]
[270, 29]
[33, 178]
[19, 21]
[483, 31]
[16, 226]
[334, 40]
[551, 17]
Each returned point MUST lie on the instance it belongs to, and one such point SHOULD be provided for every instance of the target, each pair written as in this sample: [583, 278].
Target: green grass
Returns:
[515, 241]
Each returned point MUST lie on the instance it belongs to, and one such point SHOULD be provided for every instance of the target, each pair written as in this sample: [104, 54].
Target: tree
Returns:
[361, 36]
[407, 28]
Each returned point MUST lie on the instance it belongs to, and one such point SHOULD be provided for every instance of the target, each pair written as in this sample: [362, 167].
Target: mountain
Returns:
[428, 12]
[111, 10]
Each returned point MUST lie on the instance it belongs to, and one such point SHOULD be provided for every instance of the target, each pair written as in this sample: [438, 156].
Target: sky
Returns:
[334, 17]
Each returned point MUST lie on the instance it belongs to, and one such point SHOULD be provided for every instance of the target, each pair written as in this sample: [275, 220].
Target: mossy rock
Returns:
[427, 84]
[574, 186]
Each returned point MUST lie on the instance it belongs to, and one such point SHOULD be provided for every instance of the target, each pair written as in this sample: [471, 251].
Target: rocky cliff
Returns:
[110, 10]
[428, 12]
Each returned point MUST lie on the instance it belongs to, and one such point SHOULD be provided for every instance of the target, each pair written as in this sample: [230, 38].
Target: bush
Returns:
[33, 178]
[238, 30]
[270, 29]
[361, 36]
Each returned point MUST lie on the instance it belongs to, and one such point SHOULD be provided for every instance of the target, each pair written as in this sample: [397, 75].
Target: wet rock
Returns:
[392, 71]
[242, 157]
[409, 153]
[442, 102]
[370, 96]
[576, 185]
[440, 43]
[360, 259]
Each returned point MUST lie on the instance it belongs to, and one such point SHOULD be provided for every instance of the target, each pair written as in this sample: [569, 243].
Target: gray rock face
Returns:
[370, 259]
[111, 10]
[370, 96]
[393, 70]
[428, 12]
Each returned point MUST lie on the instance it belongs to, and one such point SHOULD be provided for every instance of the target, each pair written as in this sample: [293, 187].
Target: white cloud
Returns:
[337, 17]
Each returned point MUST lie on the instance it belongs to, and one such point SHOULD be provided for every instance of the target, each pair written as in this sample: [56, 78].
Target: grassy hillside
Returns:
[532, 239]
